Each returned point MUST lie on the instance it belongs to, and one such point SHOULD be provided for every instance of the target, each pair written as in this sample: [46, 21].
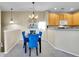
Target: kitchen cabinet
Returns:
[69, 18]
[53, 19]
[76, 18]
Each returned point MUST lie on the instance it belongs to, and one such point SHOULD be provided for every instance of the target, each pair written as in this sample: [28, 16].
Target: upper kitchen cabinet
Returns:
[76, 18]
[53, 19]
[69, 18]
[61, 16]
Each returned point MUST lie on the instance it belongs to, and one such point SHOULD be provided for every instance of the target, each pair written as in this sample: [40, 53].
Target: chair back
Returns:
[33, 40]
[40, 33]
[24, 37]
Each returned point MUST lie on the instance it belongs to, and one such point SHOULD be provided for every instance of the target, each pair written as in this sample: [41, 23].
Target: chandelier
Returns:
[33, 15]
[11, 21]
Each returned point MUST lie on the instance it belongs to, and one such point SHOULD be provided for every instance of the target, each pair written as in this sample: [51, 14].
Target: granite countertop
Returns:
[68, 29]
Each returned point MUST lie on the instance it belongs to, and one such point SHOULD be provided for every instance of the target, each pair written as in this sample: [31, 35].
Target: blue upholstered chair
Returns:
[33, 43]
[24, 41]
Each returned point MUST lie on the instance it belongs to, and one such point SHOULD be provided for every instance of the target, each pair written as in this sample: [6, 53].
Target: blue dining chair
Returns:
[24, 41]
[33, 43]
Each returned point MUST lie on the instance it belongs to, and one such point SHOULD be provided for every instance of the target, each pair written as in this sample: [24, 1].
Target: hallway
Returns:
[47, 51]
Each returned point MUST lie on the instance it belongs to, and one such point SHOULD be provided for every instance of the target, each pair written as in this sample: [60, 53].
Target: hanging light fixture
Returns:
[11, 21]
[33, 16]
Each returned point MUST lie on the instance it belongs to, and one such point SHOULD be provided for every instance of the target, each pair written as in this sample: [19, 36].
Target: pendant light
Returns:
[11, 21]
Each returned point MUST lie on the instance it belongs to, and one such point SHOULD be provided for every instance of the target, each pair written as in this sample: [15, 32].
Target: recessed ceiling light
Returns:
[71, 9]
[55, 8]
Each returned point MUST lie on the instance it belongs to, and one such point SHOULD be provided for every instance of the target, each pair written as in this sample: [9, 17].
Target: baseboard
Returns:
[10, 48]
[62, 49]
[67, 52]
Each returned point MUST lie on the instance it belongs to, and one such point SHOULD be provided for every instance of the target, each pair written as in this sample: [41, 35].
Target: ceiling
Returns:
[40, 6]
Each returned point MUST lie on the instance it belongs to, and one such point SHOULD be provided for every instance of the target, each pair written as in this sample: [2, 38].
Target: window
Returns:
[42, 25]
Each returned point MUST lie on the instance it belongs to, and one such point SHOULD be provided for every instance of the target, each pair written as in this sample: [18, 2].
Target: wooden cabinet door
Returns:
[76, 18]
[50, 19]
[68, 17]
[57, 20]
[53, 19]
[61, 16]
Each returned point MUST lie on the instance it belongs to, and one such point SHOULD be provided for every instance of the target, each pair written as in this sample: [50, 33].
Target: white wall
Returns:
[50, 35]
[20, 18]
[65, 40]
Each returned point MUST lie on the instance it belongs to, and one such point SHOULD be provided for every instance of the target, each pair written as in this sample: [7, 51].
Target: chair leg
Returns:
[29, 51]
[25, 46]
[40, 45]
[37, 51]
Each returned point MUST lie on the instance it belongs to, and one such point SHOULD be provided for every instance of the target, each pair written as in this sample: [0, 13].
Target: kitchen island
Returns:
[66, 40]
